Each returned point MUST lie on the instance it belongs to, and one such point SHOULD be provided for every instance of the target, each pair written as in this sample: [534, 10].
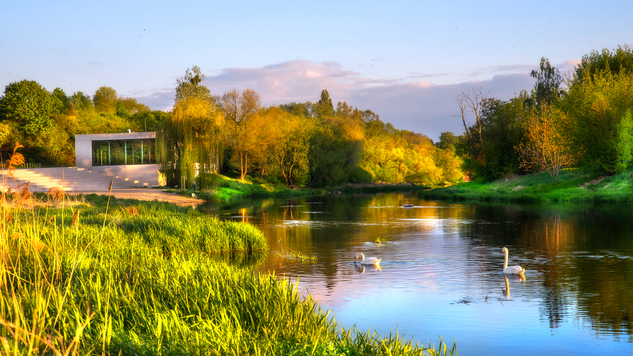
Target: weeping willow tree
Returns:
[188, 144]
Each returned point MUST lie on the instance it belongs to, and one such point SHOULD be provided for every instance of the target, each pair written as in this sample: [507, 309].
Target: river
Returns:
[441, 269]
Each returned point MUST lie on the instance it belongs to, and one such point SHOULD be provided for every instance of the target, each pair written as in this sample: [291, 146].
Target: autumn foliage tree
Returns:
[242, 127]
[546, 146]
[288, 138]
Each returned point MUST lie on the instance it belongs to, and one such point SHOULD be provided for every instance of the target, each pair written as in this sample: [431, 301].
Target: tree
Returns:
[545, 146]
[547, 86]
[325, 107]
[471, 102]
[190, 138]
[502, 132]
[149, 120]
[130, 106]
[82, 102]
[105, 100]
[447, 140]
[189, 142]
[241, 131]
[29, 105]
[598, 105]
[60, 101]
[616, 61]
[288, 138]
[190, 85]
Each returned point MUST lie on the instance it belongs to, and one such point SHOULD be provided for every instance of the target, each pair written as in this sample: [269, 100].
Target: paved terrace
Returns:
[83, 181]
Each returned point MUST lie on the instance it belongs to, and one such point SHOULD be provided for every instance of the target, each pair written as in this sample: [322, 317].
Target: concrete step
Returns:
[70, 178]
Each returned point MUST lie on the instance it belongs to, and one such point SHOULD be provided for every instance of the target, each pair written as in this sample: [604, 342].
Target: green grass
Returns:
[143, 278]
[571, 186]
[230, 189]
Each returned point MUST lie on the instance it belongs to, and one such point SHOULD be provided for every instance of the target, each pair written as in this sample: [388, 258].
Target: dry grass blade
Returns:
[131, 210]
[110, 187]
[24, 192]
[15, 160]
[57, 194]
[75, 217]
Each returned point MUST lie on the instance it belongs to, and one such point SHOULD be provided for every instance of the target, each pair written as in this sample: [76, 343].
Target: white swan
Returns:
[511, 269]
[366, 261]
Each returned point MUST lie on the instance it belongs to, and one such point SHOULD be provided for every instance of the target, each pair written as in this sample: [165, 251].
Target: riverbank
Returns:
[229, 189]
[119, 276]
[570, 186]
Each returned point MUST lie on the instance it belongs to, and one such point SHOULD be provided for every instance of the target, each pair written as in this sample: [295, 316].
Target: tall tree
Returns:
[241, 131]
[547, 86]
[325, 107]
[191, 85]
[189, 142]
[472, 102]
[29, 105]
[60, 101]
[105, 100]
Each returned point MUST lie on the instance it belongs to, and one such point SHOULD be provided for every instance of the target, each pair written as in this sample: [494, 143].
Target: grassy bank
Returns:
[571, 186]
[141, 278]
[229, 189]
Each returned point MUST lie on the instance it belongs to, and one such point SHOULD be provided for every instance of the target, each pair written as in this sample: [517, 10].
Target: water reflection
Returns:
[578, 282]
[371, 268]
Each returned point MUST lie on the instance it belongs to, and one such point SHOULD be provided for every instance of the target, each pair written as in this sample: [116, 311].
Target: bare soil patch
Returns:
[595, 181]
[147, 195]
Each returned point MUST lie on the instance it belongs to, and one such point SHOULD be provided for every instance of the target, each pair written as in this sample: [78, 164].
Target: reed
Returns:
[105, 285]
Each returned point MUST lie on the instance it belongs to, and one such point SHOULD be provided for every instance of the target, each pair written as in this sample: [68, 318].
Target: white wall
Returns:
[144, 174]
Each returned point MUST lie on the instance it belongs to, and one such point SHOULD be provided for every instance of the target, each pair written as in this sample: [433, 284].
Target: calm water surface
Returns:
[441, 269]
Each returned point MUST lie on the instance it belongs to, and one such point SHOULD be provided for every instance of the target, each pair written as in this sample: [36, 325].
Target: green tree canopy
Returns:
[105, 100]
[447, 140]
[190, 85]
[325, 107]
[616, 61]
[547, 86]
[82, 102]
[29, 105]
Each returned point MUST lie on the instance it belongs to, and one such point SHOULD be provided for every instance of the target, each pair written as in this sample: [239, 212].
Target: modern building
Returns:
[129, 156]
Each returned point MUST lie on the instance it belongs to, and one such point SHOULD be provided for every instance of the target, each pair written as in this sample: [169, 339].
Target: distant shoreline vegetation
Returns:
[570, 186]
[583, 122]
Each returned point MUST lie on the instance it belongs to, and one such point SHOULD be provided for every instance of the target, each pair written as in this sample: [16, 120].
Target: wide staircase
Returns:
[69, 178]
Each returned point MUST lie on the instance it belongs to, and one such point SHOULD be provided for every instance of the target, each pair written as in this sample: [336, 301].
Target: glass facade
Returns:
[123, 152]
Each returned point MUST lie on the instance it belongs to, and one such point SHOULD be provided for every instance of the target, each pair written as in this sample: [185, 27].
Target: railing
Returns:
[31, 165]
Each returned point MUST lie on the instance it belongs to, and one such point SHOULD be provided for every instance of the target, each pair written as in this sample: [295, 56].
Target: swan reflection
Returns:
[514, 278]
[363, 268]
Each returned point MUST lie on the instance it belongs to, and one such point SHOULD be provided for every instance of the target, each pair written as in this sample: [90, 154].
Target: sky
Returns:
[404, 60]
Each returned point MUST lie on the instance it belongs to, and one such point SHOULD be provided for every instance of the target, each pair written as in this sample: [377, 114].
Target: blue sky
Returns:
[404, 60]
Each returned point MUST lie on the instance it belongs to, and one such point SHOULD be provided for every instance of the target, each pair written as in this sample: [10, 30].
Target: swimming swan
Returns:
[366, 261]
[511, 269]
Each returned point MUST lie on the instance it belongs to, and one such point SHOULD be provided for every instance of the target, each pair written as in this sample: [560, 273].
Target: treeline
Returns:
[46, 122]
[583, 121]
[296, 144]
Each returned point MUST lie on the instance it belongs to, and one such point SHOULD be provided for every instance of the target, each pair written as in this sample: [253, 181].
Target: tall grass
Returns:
[140, 280]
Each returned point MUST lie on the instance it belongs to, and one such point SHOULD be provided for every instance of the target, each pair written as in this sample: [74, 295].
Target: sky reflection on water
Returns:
[441, 271]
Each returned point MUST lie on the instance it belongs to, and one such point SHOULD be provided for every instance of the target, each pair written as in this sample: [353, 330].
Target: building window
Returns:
[123, 152]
